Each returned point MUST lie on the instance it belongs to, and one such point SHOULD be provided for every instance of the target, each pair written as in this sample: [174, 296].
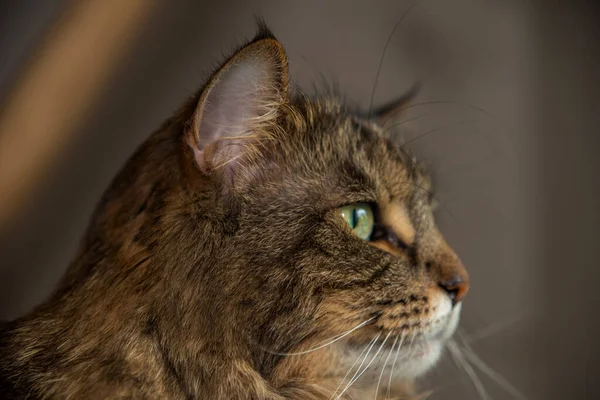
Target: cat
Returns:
[262, 244]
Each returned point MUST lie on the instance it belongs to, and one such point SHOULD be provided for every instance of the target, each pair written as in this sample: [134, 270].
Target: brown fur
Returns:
[185, 287]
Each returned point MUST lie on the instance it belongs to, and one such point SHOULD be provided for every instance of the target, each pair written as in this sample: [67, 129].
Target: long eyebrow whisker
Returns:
[387, 43]
[405, 121]
[493, 118]
[434, 130]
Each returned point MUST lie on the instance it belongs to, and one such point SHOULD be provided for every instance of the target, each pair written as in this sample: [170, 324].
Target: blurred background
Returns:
[506, 120]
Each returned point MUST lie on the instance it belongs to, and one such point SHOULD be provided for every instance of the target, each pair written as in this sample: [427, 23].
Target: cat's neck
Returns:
[110, 347]
[119, 323]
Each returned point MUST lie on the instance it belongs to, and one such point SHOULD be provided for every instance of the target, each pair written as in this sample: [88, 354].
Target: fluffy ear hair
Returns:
[240, 105]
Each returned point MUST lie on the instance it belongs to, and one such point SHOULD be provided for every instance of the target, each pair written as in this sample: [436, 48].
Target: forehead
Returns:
[361, 156]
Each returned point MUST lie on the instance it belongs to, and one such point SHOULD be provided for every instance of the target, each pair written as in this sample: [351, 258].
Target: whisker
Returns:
[410, 346]
[361, 364]
[366, 368]
[439, 128]
[327, 343]
[494, 327]
[387, 43]
[447, 209]
[507, 150]
[402, 337]
[384, 365]
[405, 121]
[372, 342]
[461, 361]
[483, 111]
[489, 371]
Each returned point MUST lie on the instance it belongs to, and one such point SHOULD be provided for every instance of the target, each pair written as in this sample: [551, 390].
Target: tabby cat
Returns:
[260, 245]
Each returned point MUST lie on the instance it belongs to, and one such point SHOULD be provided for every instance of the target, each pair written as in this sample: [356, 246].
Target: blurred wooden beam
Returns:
[58, 90]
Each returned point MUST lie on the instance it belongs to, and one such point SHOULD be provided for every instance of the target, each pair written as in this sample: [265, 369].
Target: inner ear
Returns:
[240, 105]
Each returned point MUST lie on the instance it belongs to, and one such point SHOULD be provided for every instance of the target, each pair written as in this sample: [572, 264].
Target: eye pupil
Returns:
[359, 218]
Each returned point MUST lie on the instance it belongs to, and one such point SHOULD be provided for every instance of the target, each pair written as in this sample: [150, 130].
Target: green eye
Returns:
[360, 218]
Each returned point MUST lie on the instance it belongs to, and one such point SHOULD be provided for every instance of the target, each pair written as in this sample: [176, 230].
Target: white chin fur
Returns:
[414, 359]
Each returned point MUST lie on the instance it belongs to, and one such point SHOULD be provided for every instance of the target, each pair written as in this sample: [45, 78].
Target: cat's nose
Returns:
[446, 269]
[456, 287]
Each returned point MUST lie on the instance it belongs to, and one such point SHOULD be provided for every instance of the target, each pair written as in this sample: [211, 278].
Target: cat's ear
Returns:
[390, 110]
[240, 105]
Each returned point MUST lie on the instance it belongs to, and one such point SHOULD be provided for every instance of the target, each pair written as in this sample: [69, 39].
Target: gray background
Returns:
[519, 179]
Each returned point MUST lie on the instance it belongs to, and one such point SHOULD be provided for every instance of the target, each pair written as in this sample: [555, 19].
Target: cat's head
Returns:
[290, 222]
[334, 228]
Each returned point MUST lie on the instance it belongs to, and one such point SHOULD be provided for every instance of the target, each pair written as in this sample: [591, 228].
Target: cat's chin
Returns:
[409, 363]
[417, 362]
[417, 355]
